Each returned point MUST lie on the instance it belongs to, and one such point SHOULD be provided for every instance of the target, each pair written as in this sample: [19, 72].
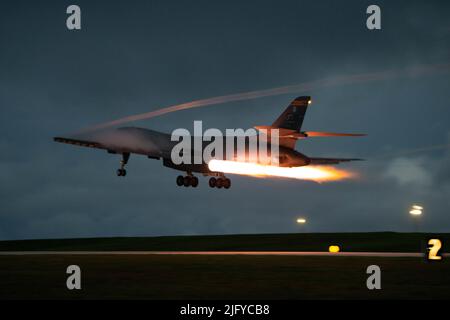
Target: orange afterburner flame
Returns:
[314, 173]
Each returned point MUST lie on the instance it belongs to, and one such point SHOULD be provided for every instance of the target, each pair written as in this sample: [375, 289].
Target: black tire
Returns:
[194, 182]
[212, 182]
[119, 172]
[187, 181]
[227, 183]
[180, 181]
[219, 183]
[124, 172]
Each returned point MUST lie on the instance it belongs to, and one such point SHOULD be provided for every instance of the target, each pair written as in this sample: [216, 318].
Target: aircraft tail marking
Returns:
[292, 117]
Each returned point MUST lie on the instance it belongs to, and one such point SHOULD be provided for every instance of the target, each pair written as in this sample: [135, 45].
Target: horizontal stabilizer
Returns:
[282, 133]
[286, 133]
[318, 161]
[331, 134]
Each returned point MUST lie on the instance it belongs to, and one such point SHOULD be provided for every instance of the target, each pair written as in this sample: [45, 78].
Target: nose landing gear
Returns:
[121, 172]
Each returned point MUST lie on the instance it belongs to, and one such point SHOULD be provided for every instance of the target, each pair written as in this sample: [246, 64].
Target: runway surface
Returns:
[205, 253]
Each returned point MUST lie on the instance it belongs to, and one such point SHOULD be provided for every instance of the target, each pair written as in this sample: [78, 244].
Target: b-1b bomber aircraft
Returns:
[159, 145]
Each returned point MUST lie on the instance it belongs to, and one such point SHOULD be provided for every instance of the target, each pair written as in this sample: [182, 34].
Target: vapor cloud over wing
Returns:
[416, 71]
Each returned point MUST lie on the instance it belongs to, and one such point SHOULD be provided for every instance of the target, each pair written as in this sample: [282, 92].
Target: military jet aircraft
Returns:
[158, 145]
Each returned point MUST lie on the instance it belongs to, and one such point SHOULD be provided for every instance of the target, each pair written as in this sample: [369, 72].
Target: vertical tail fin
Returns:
[289, 123]
[292, 117]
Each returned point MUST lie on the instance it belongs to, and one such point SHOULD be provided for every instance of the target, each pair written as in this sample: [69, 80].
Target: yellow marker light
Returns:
[334, 249]
[416, 207]
[301, 220]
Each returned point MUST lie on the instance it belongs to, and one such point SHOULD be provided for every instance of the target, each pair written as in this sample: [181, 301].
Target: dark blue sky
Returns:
[136, 56]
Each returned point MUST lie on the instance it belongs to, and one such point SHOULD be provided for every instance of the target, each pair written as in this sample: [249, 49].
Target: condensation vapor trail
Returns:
[412, 151]
[297, 88]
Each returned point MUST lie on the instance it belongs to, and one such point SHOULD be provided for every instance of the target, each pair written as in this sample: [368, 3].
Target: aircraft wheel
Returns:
[124, 172]
[180, 181]
[187, 181]
[227, 183]
[219, 183]
[194, 182]
[212, 182]
[121, 172]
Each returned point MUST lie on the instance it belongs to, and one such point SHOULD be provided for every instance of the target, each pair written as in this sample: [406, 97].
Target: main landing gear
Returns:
[121, 172]
[220, 182]
[187, 181]
[191, 181]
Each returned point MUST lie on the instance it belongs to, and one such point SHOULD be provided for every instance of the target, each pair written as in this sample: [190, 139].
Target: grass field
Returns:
[226, 277]
[375, 241]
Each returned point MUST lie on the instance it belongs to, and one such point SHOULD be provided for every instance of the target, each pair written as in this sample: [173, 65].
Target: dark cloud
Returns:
[136, 57]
